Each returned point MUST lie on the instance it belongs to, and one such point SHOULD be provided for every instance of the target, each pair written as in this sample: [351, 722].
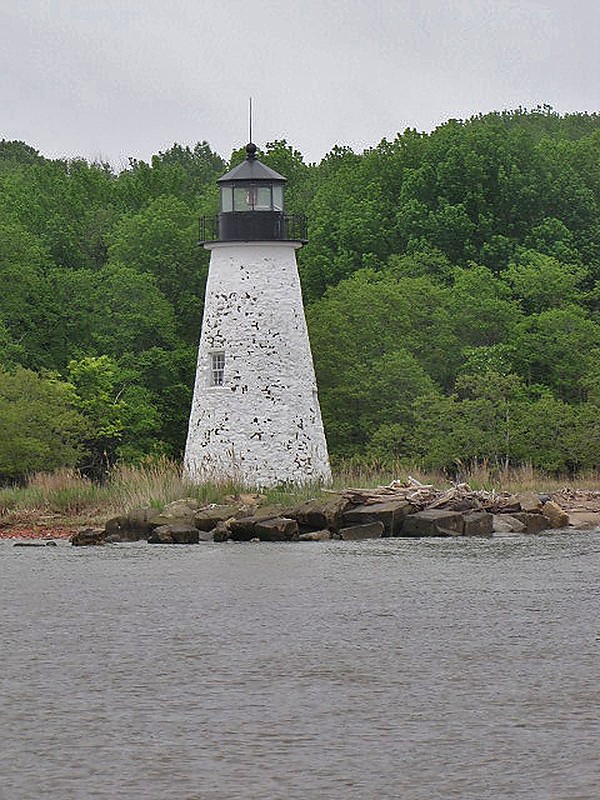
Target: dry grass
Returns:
[61, 492]
[69, 498]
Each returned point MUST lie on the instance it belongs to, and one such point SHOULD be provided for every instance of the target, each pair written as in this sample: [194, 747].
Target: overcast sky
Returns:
[109, 79]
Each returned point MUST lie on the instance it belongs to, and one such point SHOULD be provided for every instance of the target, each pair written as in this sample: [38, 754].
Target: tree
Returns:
[162, 240]
[40, 426]
[540, 282]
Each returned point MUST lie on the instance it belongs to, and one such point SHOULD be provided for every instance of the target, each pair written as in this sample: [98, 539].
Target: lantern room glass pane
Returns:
[263, 198]
[242, 199]
[277, 197]
[226, 198]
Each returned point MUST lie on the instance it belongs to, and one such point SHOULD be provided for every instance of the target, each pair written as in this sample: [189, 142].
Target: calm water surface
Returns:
[385, 669]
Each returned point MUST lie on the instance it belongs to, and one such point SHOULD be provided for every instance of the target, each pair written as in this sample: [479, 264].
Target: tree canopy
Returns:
[451, 282]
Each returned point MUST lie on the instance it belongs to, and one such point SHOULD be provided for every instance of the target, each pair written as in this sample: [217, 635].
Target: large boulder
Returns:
[177, 533]
[221, 532]
[584, 520]
[315, 536]
[534, 523]
[323, 512]
[555, 515]
[141, 520]
[131, 527]
[206, 519]
[391, 513]
[478, 523]
[116, 526]
[243, 528]
[279, 529]
[372, 530]
[434, 522]
[530, 502]
[88, 537]
[180, 512]
[507, 523]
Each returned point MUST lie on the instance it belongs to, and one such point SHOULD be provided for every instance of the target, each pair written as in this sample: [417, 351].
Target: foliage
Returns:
[452, 284]
[40, 426]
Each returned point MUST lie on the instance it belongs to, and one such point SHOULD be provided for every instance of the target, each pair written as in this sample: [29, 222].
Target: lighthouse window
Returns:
[226, 198]
[277, 197]
[251, 198]
[263, 198]
[217, 368]
[243, 199]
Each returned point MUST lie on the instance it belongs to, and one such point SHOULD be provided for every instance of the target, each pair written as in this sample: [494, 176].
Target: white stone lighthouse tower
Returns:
[255, 415]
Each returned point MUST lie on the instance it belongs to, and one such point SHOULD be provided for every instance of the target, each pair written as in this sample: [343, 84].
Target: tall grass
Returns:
[61, 492]
[67, 494]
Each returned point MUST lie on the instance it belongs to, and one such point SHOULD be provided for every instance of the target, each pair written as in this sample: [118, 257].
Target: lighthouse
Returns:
[255, 416]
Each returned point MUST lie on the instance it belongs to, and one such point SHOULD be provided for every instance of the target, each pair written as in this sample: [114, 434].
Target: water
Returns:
[387, 669]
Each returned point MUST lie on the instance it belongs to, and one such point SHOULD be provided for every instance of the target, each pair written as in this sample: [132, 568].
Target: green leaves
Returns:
[452, 281]
[40, 426]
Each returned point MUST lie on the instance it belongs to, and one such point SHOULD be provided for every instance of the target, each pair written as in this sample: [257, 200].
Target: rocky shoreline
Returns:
[409, 510]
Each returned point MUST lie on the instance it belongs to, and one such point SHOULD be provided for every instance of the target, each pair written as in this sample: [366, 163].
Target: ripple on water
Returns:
[385, 669]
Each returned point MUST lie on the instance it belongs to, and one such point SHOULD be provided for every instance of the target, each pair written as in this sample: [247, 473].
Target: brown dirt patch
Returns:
[35, 532]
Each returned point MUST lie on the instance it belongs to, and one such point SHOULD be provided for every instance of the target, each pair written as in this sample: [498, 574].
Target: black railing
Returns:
[290, 227]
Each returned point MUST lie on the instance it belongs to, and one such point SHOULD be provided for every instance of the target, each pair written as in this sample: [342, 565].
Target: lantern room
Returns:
[252, 202]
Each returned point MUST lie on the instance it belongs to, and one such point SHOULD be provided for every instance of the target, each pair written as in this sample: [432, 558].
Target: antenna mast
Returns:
[250, 120]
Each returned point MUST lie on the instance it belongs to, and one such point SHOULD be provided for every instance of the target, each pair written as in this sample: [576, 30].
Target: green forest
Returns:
[451, 284]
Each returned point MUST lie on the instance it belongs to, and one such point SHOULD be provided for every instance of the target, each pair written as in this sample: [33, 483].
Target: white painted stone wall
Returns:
[263, 426]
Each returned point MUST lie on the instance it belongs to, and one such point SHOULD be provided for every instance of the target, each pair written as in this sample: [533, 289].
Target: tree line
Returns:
[451, 282]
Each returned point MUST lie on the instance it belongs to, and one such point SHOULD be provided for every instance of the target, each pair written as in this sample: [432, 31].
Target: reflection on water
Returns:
[386, 669]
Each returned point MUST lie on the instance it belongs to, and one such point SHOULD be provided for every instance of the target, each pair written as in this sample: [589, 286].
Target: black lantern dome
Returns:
[252, 206]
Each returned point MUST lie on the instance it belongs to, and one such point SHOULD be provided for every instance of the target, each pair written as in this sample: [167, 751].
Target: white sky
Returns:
[116, 78]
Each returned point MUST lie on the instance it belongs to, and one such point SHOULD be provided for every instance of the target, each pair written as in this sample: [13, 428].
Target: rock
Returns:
[506, 523]
[373, 530]
[392, 514]
[315, 536]
[584, 520]
[178, 533]
[256, 540]
[124, 535]
[464, 504]
[279, 529]
[530, 502]
[116, 525]
[180, 512]
[161, 535]
[434, 522]
[141, 520]
[88, 537]
[555, 515]
[32, 544]
[208, 518]
[221, 532]
[184, 534]
[534, 523]
[249, 499]
[322, 512]
[131, 527]
[177, 506]
[478, 523]
[244, 528]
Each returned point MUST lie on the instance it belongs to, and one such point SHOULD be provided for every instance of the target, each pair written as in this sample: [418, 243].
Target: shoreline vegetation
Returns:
[57, 504]
[451, 283]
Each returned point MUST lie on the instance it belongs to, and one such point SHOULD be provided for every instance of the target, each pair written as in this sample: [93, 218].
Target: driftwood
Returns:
[459, 495]
[577, 499]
